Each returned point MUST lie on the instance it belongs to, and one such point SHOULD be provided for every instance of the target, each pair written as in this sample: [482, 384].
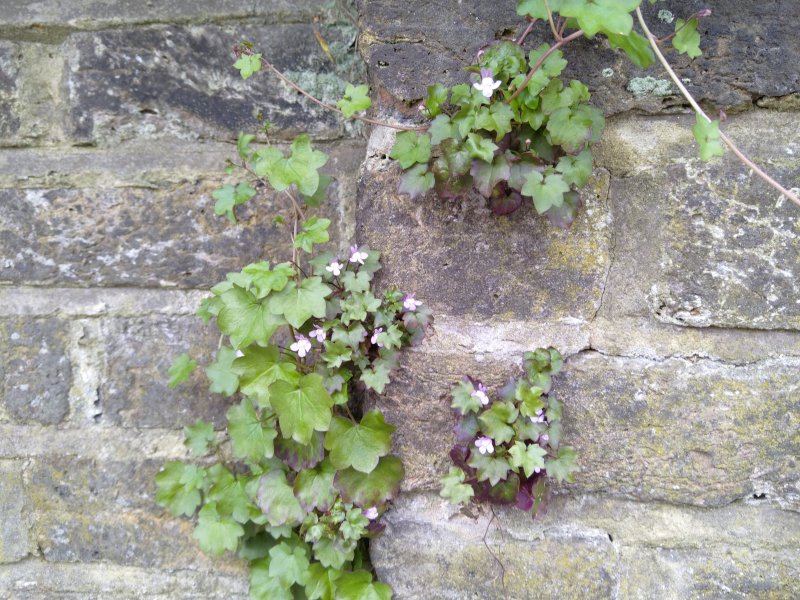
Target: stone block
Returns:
[464, 261]
[179, 82]
[720, 248]
[414, 44]
[35, 370]
[9, 70]
[15, 540]
[138, 353]
[686, 431]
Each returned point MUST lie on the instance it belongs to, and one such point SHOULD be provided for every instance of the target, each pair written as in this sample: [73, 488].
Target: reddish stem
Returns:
[543, 58]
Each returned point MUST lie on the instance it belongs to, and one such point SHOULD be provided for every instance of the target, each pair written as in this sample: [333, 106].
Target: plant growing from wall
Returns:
[300, 476]
[508, 446]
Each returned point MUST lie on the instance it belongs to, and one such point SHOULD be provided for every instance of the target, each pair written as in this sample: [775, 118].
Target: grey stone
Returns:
[138, 353]
[9, 70]
[35, 370]
[721, 250]
[15, 540]
[588, 547]
[686, 431]
[168, 81]
[748, 46]
[462, 260]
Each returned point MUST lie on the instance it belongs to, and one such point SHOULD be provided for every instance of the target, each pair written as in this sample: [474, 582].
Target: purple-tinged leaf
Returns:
[502, 203]
[371, 489]
[416, 181]
[459, 455]
[524, 500]
[487, 175]
[300, 456]
[563, 216]
[505, 492]
[466, 428]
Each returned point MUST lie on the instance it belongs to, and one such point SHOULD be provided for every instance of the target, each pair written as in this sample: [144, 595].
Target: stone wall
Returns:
[674, 297]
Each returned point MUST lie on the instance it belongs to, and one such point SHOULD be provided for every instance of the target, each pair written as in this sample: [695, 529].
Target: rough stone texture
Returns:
[411, 44]
[15, 539]
[589, 548]
[722, 249]
[9, 69]
[462, 261]
[138, 353]
[134, 83]
[34, 347]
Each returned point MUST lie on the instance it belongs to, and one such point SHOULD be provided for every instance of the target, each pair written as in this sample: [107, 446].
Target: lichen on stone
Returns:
[649, 86]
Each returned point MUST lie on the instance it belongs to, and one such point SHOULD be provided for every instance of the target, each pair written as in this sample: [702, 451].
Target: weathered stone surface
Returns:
[461, 260]
[169, 81]
[411, 45]
[720, 249]
[35, 370]
[15, 541]
[42, 580]
[9, 70]
[587, 547]
[695, 432]
[138, 353]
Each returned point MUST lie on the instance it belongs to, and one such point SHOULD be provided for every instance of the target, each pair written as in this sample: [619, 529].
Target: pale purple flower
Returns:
[487, 85]
[371, 513]
[537, 469]
[356, 256]
[410, 304]
[302, 346]
[543, 439]
[335, 268]
[539, 418]
[374, 338]
[480, 395]
[318, 333]
[485, 445]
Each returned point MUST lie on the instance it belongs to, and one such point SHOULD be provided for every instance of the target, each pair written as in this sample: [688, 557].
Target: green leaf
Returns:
[265, 587]
[352, 336]
[356, 282]
[371, 489]
[536, 8]
[687, 40]
[496, 419]
[437, 95]
[356, 98]
[495, 118]
[261, 367]
[440, 129]
[178, 487]
[635, 46]
[216, 533]
[243, 144]
[314, 231]
[359, 446]
[576, 169]
[277, 501]
[298, 304]
[608, 16]
[313, 488]
[321, 194]
[289, 564]
[357, 305]
[552, 66]
[528, 457]
[302, 407]
[530, 399]
[411, 148]
[230, 495]
[358, 585]
[463, 400]
[569, 128]
[488, 174]
[377, 377]
[199, 436]
[321, 582]
[223, 379]
[299, 168]
[488, 467]
[246, 320]
[180, 370]
[453, 487]
[707, 135]
[545, 191]
[266, 280]
[336, 354]
[416, 181]
[300, 456]
[248, 64]
[250, 438]
[564, 467]
[480, 147]
[334, 553]
[227, 197]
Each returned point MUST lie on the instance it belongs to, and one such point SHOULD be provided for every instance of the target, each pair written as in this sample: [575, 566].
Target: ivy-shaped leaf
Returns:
[313, 488]
[608, 16]
[495, 118]
[302, 407]
[266, 280]
[496, 421]
[313, 231]
[686, 39]
[259, 368]
[321, 582]
[356, 98]
[220, 374]
[246, 320]
[298, 304]
[265, 587]
[707, 135]
[488, 174]
[564, 467]
[635, 46]
[358, 585]
[300, 168]
[289, 563]
[529, 458]
[371, 489]
[178, 487]
[277, 500]
[440, 129]
[489, 467]
[227, 197]
[480, 147]
[576, 169]
[250, 438]
[180, 370]
[359, 446]
[411, 148]
[199, 436]
[437, 95]
[546, 191]
[216, 533]
[463, 400]
[416, 181]
[248, 64]
[453, 487]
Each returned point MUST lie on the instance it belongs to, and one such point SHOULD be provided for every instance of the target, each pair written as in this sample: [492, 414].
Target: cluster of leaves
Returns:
[296, 483]
[532, 138]
[507, 447]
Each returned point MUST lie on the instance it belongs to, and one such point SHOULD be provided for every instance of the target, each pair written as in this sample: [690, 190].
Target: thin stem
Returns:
[349, 414]
[728, 142]
[521, 39]
[297, 208]
[666, 38]
[335, 109]
[539, 62]
[494, 556]
[552, 24]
